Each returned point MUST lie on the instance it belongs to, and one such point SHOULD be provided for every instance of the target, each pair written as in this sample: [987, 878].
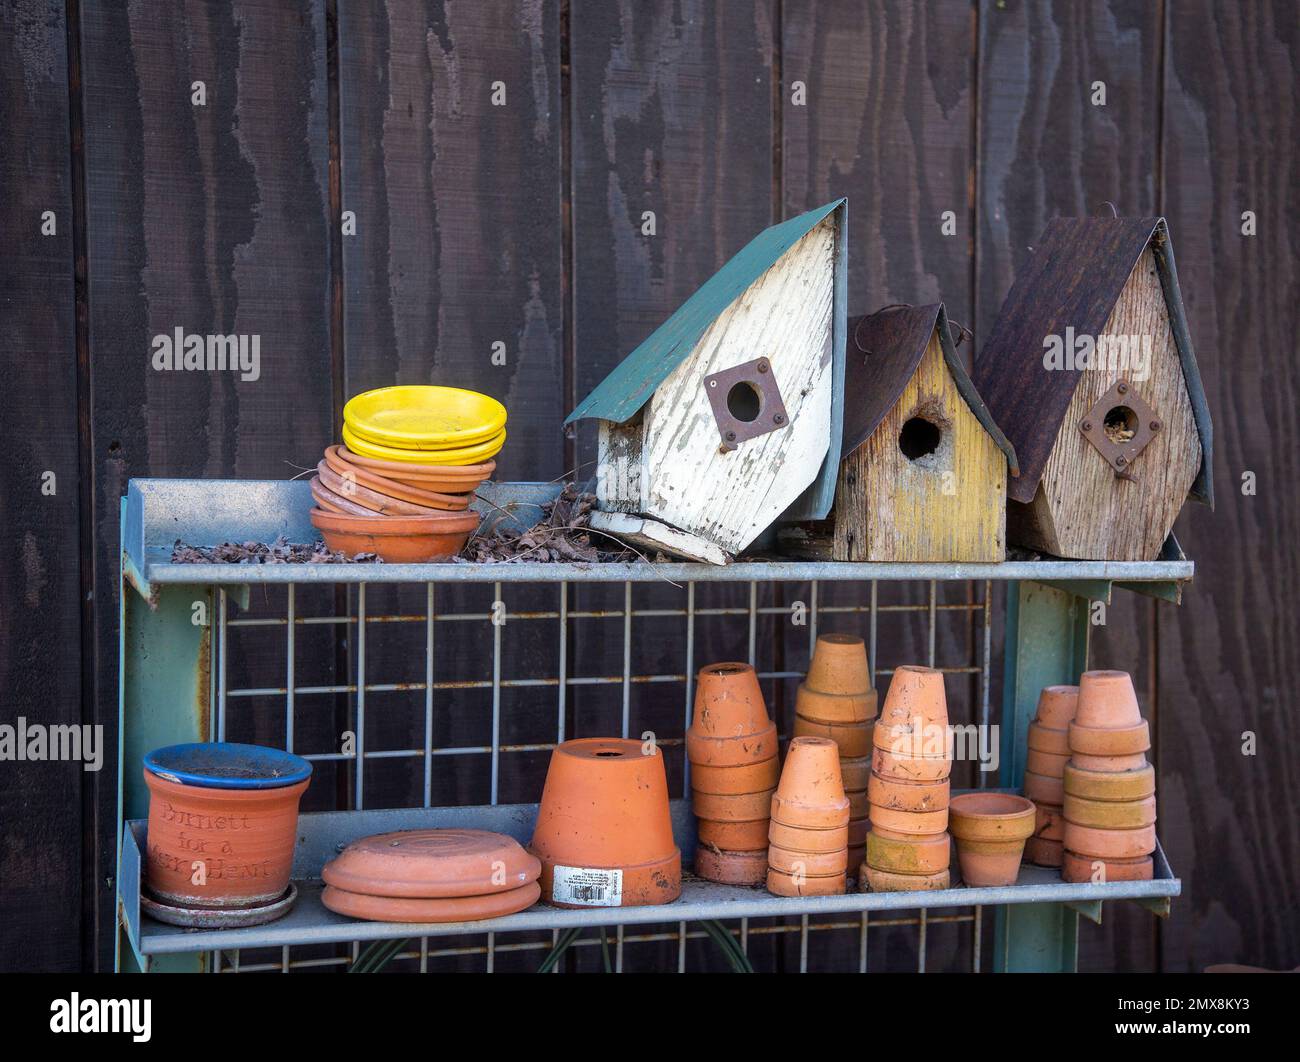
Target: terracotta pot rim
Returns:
[999, 807]
[440, 523]
[393, 488]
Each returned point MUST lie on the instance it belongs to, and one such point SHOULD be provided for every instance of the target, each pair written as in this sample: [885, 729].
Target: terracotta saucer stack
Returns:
[836, 701]
[1109, 801]
[431, 876]
[908, 848]
[809, 833]
[1049, 749]
[732, 748]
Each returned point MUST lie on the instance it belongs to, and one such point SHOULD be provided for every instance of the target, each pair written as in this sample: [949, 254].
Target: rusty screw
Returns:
[762, 366]
[1155, 425]
[1122, 389]
[731, 436]
[778, 419]
[1086, 426]
[1121, 460]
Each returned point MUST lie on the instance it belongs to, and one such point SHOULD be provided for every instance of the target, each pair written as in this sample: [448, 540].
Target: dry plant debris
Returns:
[280, 551]
[562, 534]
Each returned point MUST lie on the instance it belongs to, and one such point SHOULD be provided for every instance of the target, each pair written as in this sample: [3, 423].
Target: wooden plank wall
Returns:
[350, 191]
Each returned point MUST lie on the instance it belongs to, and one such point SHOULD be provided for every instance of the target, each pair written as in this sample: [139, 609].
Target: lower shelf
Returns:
[320, 836]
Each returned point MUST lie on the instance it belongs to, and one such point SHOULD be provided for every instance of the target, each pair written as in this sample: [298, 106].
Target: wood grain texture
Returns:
[40, 593]
[1228, 656]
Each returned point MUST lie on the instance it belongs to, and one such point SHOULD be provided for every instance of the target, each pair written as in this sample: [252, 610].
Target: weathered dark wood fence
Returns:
[344, 185]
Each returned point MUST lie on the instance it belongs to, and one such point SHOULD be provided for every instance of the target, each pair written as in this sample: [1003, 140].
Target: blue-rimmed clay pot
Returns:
[223, 820]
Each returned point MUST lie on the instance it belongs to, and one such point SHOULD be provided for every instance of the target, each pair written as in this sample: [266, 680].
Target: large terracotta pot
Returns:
[603, 833]
[990, 830]
[839, 665]
[915, 692]
[1107, 699]
[811, 791]
[223, 822]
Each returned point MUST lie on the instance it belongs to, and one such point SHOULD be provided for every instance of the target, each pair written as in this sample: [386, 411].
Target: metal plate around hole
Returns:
[771, 409]
[1120, 456]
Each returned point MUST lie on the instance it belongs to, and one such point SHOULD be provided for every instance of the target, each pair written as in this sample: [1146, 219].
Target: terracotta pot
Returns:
[859, 806]
[397, 539]
[603, 833]
[1049, 823]
[746, 778]
[1044, 853]
[907, 769]
[1045, 739]
[779, 884]
[731, 868]
[1044, 789]
[1107, 700]
[344, 472]
[908, 855]
[731, 752]
[728, 702]
[732, 807]
[799, 839]
[872, 880]
[1057, 706]
[915, 692]
[367, 491]
[231, 808]
[331, 502]
[1109, 785]
[852, 739]
[1109, 844]
[449, 479]
[1078, 869]
[907, 741]
[432, 863]
[834, 707]
[811, 791]
[917, 823]
[990, 830]
[839, 665]
[441, 909]
[1109, 764]
[748, 836]
[1110, 814]
[855, 771]
[989, 864]
[813, 864]
[1046, 763]
[900, 795]
[858, 829]
[1121, 741]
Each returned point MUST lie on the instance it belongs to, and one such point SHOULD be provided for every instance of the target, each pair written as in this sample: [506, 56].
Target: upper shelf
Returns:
[202, 512]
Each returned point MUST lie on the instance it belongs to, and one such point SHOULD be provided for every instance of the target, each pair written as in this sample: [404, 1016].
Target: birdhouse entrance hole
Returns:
[1120, 425]
[744, 402]
[919, 438]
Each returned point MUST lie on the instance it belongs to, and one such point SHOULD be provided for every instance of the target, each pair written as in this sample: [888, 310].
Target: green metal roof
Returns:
[636, 378]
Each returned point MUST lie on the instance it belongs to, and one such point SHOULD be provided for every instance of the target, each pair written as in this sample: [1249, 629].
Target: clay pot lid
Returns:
[432, 863]
[430, 909]
[227, 765]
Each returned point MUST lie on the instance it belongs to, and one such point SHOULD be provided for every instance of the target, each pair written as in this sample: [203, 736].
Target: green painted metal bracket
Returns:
[1090, 909]
[1157, 905]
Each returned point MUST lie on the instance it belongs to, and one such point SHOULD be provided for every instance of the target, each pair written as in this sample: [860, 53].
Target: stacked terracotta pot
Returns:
[1049, 749]
[908, 848]
[836, 701]
[1109, 800]
[809, 833]
[732, 748]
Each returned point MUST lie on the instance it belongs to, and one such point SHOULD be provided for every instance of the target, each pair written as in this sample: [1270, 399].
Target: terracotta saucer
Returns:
[453, 479]
[355, 489]
[340, 462]
[432, 863]
[335, 503]
[443, 909]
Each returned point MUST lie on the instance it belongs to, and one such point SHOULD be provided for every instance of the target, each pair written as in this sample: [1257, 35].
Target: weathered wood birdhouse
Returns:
[1089, 370]
[728, 416]
[923, 469]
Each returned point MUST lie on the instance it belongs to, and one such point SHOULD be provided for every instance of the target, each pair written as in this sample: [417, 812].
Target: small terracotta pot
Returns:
[1107, 700]
[731, 752]
[821, 707]
[1108, 785]
[449, 479]
[916, 692]
[872, 880]
[1047, 763]
[917, 823]
[397, 539]
[907, 769]
[1078, 869]
[358, 490]
[1057, 706]
[424, 864]
[748, 836]
[813, 864]
[907, 741]
[331, 502]
[728, 702]
[1109, 764]
[779, 884]
[338, 473]
[1049, 823]
[900, 795]
[1044, 789]
[1045, 739]
[858, 829]
[799, 839]
[839, 665]
[852, 739]
[855, 772]
[732, 807]
[731, 868]
[859, 806]
[989, 864]
[990, 830]
[1122, 741]
[1110, 814]
[1044, 853]
[439, 909]
[811, 791]
[604, 817]
[1109, 844]
[747, 778]
[909, 855]
[222, 813]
